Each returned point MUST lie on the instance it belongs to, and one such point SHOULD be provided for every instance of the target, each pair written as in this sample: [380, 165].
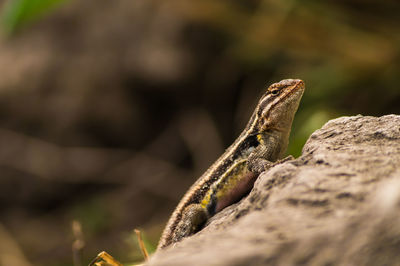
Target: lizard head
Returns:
[276, 109]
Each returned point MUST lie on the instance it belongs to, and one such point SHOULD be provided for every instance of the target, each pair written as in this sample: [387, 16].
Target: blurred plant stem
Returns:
[78, 244]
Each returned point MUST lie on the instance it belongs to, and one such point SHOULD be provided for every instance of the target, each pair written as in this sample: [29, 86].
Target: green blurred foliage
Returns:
[19, 13]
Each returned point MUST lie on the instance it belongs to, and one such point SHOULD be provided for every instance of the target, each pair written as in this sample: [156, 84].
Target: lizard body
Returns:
[263, 141]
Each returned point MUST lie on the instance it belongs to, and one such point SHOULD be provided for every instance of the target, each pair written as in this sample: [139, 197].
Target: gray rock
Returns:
[337, 204]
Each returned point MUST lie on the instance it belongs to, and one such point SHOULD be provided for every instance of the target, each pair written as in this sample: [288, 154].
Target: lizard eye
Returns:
[275, 91]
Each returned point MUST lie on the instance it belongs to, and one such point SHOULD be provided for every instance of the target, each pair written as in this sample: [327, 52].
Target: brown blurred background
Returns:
[109, 110]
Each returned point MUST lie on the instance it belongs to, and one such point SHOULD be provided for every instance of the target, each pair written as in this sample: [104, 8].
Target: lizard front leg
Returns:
[258, 164]
[267, 153]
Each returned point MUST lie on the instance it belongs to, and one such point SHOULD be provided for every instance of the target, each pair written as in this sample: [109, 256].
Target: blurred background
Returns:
[110, 110]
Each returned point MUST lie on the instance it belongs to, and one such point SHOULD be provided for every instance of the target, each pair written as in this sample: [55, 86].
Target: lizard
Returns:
[261, 144]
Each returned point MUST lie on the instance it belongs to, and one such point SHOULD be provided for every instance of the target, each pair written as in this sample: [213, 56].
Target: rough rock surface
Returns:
[337, 204]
